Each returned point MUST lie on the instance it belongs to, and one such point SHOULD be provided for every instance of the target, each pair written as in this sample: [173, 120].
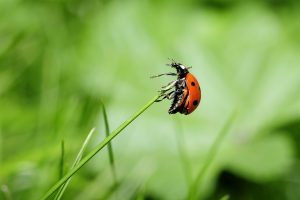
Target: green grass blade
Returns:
[1, 146]
[62, 157]
[183, 154]
[109, 146]
[98, 148]
[77, 160]
[210, 157]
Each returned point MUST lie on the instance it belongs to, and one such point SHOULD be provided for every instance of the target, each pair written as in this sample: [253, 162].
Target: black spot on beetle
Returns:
[195, 102]
[193, 83]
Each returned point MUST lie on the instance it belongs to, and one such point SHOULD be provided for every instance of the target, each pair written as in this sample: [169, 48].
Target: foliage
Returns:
[59, 58]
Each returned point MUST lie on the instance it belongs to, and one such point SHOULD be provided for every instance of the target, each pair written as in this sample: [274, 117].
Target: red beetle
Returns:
[186, 95]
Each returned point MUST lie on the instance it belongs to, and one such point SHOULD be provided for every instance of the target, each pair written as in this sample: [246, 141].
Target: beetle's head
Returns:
[180, 68]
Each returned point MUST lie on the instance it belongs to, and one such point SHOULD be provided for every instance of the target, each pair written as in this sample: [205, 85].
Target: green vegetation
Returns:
[59, 60]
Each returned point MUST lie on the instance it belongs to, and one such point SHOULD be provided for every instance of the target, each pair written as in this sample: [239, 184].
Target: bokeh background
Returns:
[60, 58]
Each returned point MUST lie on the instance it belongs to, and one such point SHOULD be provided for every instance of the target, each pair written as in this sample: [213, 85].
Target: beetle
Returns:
[184, 92]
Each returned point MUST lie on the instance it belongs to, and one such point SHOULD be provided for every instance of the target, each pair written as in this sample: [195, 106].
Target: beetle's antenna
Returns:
[172, 60]
[167, 74]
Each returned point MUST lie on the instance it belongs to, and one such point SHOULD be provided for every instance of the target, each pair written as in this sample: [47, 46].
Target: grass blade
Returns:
[183, 156]
[62, 157]
[98, 148]
[109, 146]
[210, 157]
[77, 160]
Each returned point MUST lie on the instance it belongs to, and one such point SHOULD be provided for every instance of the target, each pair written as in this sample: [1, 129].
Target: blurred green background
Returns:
[60, 58]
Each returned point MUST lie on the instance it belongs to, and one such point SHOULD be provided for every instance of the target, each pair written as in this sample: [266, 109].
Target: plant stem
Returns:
[210, 157]
[109, 146]
[77, 160]
[62, 160]
[183, 156]
[97, 149]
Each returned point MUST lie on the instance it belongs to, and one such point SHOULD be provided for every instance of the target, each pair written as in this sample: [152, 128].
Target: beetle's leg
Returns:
[165, 93]
[169, 96]
[167, 74]
[161, 97]
[178, 82]
[181, 83]
[159, 100]
[169, 85]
